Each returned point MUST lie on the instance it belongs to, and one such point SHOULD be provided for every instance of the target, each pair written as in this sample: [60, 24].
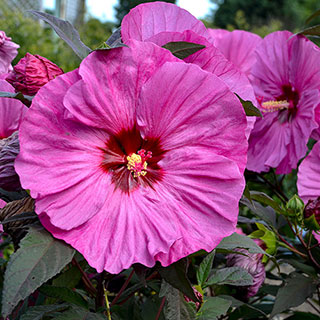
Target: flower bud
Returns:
[313, 207]
[198, 295]
[295, 207]
[8, 51]
[253, 265]
[9, 149]
[31, 73]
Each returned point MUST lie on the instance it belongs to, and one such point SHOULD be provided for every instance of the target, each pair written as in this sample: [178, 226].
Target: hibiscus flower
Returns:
[161, 23]
[135, 157]
[8, 51]
[286, 79]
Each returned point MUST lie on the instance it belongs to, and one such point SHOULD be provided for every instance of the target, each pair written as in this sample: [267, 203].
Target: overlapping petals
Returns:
[134, 98]
[11, 114]
[237, 46]
[309, 175]
[285, 71]
[8, 51]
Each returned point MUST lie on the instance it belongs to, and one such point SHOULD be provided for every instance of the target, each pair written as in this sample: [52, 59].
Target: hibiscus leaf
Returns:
[20, 217]
[39, 258]
[176, 275]
[182, 49]
[265, 199]
[314, 15]
[66, 32]
[176, 308]
[64, 294]
[212, 308]
[311, 31]
[79, 314]
[204, 268]
[249, 108]
[115, 40]
[239, 241]
[17, 95]
[39, 312]
[235, 276]
[297, 289]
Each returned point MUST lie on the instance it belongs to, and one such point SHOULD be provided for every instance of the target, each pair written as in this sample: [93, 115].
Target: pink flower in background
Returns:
[136, 159]
[2, 205]
[11, 114]
[286, 79]
[308, 183]
[31, 73]
[237, 46]
[161, 22]
[8, 51]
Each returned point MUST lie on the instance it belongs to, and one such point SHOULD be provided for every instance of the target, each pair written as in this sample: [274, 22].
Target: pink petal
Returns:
[238, 47]
[8, 51]
[309, 175]
[146, 20]
[63, 160]
[11, 112]
[131, 228]
[98, 100]
[217, 34]
[193, 108]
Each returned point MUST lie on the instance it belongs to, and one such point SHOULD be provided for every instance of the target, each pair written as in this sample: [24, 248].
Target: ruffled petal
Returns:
[192, 108]
[8, 51]
[193, 215]
[98, 100]
[60, 158]
[309, 175]
[238, 47]
[11, 112]
[146, 20]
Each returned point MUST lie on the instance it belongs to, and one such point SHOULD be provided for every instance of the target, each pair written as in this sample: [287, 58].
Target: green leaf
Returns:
[303, 316]
[176, 308]
[39, 258]
[38, 312]
[267, 236]
[66, 32]
[69, 279]
[115, 40]
[235, 276]
[176, 275]
[311, 31]
[17, 95]
[212, 308]
[311, 223]
[249, 108]
[79, 314]
[265, 199]
[314, 15]
[239, 241]
[297, 289]
[237, 303]
[204, 268]
[246, 193]
[64, 294]
[267, 214]
[182, 49]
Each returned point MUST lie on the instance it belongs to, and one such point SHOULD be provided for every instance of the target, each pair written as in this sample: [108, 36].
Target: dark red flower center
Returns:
[285, 104]
[132, 160]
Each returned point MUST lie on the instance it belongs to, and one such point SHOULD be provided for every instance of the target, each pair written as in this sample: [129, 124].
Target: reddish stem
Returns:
[122, 289]
[160, 308]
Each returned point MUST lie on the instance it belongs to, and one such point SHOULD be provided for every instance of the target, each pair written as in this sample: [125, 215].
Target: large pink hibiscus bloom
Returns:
[11, 115]
[286, 79]
[136, 159]
[161, 22]
[8, 51]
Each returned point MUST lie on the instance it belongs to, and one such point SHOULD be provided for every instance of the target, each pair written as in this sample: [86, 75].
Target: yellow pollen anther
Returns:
[270, 106]
[137, 165]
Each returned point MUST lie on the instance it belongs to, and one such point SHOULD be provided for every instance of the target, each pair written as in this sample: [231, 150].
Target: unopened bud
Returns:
[31, 73]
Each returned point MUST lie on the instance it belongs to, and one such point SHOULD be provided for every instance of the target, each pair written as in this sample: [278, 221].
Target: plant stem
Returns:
[313, 306]
[279, 193]
[107, 301]
[160, 308]
[122, 289]
[308, 251]
[85, 278]
[292, 248]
